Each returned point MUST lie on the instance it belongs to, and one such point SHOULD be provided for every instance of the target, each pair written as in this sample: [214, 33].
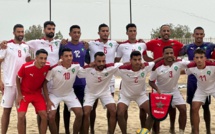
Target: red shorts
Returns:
[37, 101]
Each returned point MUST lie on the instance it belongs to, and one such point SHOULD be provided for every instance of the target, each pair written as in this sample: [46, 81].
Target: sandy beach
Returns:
[101, 121]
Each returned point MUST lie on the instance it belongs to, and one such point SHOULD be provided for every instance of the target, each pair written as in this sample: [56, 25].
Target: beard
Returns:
[50, 35]
[19, 38]
[100, 68]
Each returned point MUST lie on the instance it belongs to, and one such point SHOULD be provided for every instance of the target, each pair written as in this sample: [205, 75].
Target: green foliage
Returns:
[58, 35]
[179, 31]
[34, 32]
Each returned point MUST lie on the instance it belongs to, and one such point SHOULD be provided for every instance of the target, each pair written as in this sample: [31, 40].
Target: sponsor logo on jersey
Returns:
[25, 50]
[56, 43]
[192, 48]
[82, 49]
[159, 44]
[32, 75]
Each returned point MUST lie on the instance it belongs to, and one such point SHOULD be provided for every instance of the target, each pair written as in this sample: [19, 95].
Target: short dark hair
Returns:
[99, 54]
[66, 49]
[102, 25]
[135, 53]
[166, 47]
[41, 51]
[48, 23]
[164, 26]
[130, 25]
[198, 28]
[74, 26]
[199, 51]
[17, 26]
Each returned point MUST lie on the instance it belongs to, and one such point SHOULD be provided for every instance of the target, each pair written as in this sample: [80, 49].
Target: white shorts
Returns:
[140, 99]
[106, 98]
[177, 98]
[9, 96]
[201, 96]
[71, 100]
[112, 85]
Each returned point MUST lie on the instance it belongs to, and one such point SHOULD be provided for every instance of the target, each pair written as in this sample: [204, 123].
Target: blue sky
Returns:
[147, 14]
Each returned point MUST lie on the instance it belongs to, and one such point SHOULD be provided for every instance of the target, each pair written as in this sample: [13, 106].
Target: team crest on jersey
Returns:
[139, 48]
[208, 72]
[56, 43]
[205, 47]
[73, 70]
[82, 49]
[142, 74]
[110, 44]
[175, 68]
[106, 74]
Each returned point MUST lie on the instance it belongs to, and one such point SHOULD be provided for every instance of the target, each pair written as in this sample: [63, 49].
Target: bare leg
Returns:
[195, 116]
[66, 118]
[21, 123]
[78, 120]
[172, 115]
[43, 125]
[121, 111]
[52, 123]
[207, 118]
[93, 117]
[5, 119]
[182, 116]
[112, 121]
[142, 116]
[87, 110]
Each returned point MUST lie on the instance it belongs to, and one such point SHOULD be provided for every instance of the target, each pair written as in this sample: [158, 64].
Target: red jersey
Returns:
[156, 47]
[32, 77]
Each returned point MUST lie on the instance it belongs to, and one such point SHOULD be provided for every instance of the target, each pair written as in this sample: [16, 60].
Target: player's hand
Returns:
[64, 41]
[158, 91]
[3, 44]
[2, 87]
[49, 105]
[141, 40]
[92, 64]
[211, 60]
[86, 45]
[127, 63]
[60, 62]
[19, 99]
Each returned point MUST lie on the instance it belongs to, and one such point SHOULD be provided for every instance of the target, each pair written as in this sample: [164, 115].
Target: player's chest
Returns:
[98, 77]
[107, 49]
[134, 77]
[17, 51]
[204, 75]
[50, 47]
[65, 74]
[78, 52]
[167, 72]
[130, 48]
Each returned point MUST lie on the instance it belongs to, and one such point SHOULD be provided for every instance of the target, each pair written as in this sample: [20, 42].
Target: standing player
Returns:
[11, 60]
[133, 77]
[166, 73]
[189, 49]
[156, 47]
[98, 80]
[63, 77]
[29, 86]
[204, 73]
[79, 53]
[124, 50]
[103, 44]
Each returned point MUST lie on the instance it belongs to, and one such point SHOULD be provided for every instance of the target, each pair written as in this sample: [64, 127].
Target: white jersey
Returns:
[167, 76]
[133, 83]
[124, 50]
[109, 49]
[205, 77]
[62, 79]
[14, 56]
[97, 82]
[51, 47]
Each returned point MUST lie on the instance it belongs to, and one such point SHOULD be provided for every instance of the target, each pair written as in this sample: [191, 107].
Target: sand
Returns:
[101, 121]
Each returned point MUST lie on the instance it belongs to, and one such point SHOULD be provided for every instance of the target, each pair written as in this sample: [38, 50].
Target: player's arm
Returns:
[87, 57]
[183, 51]
[1, 83]
[146, 57]
[152, 78]
[45, 91]
[154, 86]
[18, 85]
[158, 59]
[3, 44]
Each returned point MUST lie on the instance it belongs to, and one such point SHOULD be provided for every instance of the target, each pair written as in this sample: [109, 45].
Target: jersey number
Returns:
[203, 77]
[99, 79]
[105, 50]
[170, 74]
[77, 53]
[51, 48]
[135, 79]
[19, 53]
[67, 76]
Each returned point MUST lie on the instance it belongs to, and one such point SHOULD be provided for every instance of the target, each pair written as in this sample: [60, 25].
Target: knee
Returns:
[120, 113]
[51, 117]
[21, 117]
[112, 112]
[79, 114]
[87, 113]
[195, 109]
[43, 116]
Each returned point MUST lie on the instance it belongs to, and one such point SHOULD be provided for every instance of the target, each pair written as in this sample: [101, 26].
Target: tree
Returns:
[34, 32]
[179, 31]
[58, 35]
